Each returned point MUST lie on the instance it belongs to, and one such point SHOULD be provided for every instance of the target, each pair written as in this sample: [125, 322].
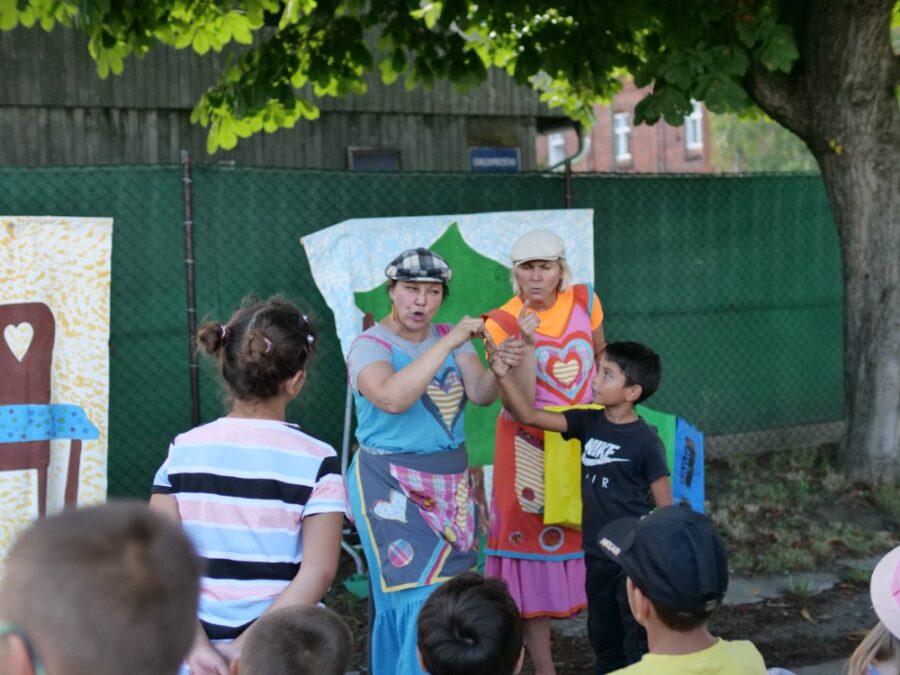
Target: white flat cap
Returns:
[537, 245]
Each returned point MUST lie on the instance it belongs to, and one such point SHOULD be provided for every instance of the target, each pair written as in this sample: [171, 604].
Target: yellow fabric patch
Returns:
[562, 474]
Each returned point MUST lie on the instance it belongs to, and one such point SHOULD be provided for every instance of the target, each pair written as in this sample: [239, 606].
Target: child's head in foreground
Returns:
[676, 565]
[307, 640]
[470, 626]
[103, 590]
[626, 371]
[882, 644]
[263, 351]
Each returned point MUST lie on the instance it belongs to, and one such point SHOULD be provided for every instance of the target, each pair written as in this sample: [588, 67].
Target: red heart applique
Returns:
[564, 370]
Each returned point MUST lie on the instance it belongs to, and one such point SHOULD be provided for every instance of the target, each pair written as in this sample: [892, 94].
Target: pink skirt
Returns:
[541, 588]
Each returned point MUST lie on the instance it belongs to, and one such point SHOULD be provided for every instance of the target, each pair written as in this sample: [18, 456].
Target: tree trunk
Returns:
[864, 197]
[840, 99]
[851, 76]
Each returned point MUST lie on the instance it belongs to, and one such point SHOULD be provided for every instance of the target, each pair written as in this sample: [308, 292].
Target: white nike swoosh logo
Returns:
[597, 461]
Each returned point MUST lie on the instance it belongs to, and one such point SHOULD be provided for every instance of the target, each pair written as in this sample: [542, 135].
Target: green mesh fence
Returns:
[734, 280]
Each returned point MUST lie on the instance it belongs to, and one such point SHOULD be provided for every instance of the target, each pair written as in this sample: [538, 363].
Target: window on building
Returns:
[693, 128]
[373, 159]
[622, 136]
[556, 148]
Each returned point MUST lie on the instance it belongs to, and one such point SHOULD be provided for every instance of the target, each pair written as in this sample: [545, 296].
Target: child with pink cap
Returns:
[879, 652]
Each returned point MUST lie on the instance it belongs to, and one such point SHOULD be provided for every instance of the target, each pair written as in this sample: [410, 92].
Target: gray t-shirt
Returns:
[364, 352]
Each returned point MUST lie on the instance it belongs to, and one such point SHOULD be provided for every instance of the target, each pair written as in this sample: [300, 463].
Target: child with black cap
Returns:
[677, 577]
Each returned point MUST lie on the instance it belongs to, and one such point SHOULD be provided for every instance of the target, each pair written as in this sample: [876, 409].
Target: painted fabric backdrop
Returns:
[348, 261]
[54, 355]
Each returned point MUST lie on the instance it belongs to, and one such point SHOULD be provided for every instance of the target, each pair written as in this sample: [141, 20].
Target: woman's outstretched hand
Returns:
[512, 351]
[528, 323]
[498, 360]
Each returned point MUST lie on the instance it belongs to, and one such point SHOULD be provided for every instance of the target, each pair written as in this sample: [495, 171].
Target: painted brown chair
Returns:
[26, 381]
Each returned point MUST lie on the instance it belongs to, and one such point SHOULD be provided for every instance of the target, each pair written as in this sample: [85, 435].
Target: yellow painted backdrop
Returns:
[64, 263]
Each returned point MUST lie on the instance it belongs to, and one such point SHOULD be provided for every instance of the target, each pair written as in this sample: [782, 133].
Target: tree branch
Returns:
[780, 97]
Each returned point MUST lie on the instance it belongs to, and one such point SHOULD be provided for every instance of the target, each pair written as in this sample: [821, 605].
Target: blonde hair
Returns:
[878, 645]
[565, 277]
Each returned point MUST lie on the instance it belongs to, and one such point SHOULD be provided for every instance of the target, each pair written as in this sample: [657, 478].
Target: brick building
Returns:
[616, 144]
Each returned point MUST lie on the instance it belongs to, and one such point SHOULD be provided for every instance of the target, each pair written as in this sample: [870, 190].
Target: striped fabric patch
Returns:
[447, 399]
[529, 472]
[566, 371]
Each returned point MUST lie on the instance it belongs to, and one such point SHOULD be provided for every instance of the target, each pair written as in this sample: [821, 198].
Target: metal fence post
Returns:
[189, 278]
[568, 183]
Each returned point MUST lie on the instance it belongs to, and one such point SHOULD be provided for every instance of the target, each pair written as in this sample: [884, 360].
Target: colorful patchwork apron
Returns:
[564, 369]
[414, 510]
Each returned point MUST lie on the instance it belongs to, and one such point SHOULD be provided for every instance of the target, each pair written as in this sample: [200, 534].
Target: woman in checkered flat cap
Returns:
[410, 492]
[543, 565]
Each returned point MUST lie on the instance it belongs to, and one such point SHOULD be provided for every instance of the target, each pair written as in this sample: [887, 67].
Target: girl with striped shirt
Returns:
[262, 501]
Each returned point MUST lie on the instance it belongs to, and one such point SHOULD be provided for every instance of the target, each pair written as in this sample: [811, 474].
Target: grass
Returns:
[794, 511]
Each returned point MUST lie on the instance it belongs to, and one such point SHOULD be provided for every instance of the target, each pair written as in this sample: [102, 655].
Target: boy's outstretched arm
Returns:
[523, 410]
[661, 489]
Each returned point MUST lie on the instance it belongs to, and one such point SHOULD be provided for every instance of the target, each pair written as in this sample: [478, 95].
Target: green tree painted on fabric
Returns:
[479, 284]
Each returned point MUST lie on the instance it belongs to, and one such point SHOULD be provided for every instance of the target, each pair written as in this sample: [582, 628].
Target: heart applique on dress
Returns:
[394, 509]
[565, 371]
[564, 367]
[444, 398]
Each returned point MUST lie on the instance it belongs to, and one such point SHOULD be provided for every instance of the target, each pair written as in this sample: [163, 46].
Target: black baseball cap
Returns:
[674, 555]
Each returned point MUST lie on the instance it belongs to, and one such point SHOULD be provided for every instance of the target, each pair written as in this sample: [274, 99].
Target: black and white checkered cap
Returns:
[419, 264]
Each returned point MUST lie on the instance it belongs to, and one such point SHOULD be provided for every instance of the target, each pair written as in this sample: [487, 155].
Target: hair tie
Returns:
[268, 344]
[223, 331]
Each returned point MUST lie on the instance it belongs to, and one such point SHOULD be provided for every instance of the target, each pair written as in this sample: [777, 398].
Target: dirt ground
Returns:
[796, 514]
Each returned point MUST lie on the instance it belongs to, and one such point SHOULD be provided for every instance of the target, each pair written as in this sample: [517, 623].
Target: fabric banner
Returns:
[688, 478]
[664, 425]
[348, 261]
[54, 356]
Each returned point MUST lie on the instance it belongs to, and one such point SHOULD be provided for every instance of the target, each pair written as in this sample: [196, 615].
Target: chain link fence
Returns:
[735, 281]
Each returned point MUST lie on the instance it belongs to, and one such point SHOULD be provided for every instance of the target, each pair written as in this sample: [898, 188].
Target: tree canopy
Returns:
[574, 52]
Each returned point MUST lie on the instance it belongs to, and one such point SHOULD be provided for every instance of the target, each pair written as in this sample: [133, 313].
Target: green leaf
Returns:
[184, 39]
[780, 49]
[212, 140]
[28, 17]
[116, 63]
[388, 74]
[9, 20]
[241, 32]
[739, 62]
[430, 12]
[678, 74]
[201, 42]
[103, 65]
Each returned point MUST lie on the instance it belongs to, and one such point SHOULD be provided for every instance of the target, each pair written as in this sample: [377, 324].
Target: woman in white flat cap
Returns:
[563, 325]
[409, 488]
